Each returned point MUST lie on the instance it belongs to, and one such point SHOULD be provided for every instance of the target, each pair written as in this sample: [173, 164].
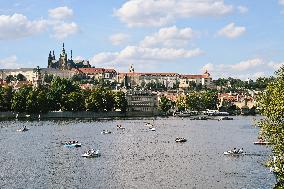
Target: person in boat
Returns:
[235, 150]
[240, 150]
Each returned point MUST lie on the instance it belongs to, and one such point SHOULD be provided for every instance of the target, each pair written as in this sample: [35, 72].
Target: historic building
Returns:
[204, 80]
[99, 73]
[63, 63]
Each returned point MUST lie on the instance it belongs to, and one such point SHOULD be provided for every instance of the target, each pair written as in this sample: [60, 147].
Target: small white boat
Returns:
[149, 125]
[234, 152]
[22, 129]
[72, 144]
[91, 153]
[260, 142]
[225, 118]
[180, 139]
[120, 127]
[152, 129]
[106, 132]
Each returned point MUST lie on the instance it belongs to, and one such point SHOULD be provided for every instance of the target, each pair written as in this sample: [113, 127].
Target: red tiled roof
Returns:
[149, 74]
[193, 76]
[96, 70]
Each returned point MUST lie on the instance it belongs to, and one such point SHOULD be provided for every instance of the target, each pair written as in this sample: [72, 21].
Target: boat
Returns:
[234, 152]
[22, 129]
[106, 132]
[148, 125]
[152, 129]
[180, 139]
[225, 118]
[72, 144]
[261, 142]
[91, 153]
[120, 127]
[200, 118]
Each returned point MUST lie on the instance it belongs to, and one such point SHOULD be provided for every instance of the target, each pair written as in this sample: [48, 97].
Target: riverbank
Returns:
[79, 115]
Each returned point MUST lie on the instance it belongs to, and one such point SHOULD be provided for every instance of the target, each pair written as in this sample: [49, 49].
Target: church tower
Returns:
[50, 58]
[63, 59]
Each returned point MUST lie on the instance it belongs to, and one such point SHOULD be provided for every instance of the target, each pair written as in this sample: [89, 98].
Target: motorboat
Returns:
[225, 118]
[152, 129]
[91, 153]
[180, 139]
[24, 129]
[149, 125]
[72, 144]
[200, 118]
[120, 127]
[261, 142]
[106, 132]
[234, 152]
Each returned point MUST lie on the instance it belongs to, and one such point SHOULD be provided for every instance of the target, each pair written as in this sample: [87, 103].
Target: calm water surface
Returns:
[135, 157]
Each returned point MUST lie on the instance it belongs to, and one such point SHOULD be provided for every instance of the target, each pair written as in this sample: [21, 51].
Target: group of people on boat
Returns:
[180, 139]
[237, 151]
[72, 142]
[119, 127]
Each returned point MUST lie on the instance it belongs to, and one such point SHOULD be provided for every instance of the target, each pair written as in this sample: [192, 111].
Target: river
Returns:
[135, 157]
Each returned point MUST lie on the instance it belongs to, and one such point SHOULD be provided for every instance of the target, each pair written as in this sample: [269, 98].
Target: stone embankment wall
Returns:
[71, 115]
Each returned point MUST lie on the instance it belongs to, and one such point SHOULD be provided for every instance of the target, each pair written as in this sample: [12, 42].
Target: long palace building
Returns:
[67, 67]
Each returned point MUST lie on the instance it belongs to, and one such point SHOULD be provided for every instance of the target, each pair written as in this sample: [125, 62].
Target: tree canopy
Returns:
[271, 104]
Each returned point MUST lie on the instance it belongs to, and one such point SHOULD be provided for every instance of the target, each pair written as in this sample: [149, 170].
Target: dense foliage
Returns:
[271, 103]
[61, 94]
[198, 101]
[235, 85]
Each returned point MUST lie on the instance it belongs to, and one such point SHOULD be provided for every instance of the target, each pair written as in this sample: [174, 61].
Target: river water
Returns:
[135, 157]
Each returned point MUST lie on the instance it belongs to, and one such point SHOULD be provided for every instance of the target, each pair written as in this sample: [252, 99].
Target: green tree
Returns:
[6, 94]
[9, 78]
[58, 88]
[271, 104]
[73, 101]
[100, 100]
[182, 103]
[165, 104]
[21, 77]
[120, 101]
[36, 101]
[19, 100]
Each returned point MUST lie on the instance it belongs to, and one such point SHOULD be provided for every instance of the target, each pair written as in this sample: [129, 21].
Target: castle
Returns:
[63, 63]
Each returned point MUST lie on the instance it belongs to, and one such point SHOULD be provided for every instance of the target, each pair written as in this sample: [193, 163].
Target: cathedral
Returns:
[63, 63]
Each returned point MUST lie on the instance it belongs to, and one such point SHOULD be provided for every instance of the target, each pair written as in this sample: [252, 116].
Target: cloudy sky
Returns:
[237, 38]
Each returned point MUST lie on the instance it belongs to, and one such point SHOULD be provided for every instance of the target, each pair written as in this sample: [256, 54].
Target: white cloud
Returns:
[119, 38]
[252, 68]
[242, 9]
[135, 53]
[232, 31]
[63, 29]
[19, 26]
[60, 13]
[281, 2]
[9, 62]
[169, 37]
[161, 12]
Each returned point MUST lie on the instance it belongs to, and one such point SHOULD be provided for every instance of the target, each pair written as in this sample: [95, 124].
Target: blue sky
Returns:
[236, 38]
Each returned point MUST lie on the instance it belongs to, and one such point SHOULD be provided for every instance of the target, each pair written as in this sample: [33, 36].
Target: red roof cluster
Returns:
[194, 76]
[150, 74]
[96, 70]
